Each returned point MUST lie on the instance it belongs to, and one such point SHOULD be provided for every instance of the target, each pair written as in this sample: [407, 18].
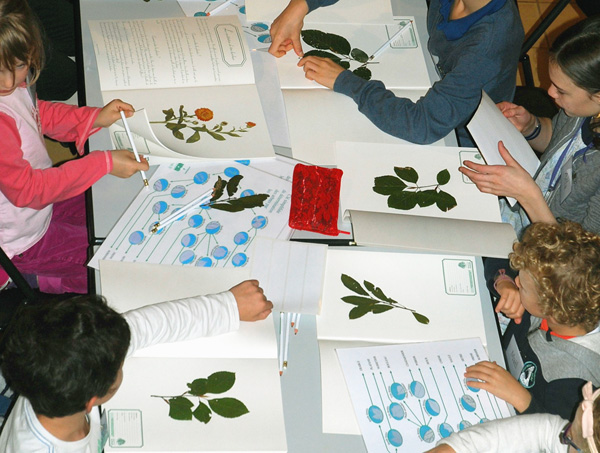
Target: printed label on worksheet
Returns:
[125, 428]
[459, 277]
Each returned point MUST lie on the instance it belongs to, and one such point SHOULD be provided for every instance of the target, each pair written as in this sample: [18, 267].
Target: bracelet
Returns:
[500, 277]
[536, 130]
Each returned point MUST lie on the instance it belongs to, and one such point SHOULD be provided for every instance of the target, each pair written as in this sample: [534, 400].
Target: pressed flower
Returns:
[204, 114]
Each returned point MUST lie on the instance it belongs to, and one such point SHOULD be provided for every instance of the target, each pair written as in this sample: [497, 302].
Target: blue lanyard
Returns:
[558, 165]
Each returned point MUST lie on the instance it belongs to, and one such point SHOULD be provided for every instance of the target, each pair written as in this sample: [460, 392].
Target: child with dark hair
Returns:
[556, 347]
[65, 358]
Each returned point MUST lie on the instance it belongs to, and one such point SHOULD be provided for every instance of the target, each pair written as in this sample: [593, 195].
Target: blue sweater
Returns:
[479, 55]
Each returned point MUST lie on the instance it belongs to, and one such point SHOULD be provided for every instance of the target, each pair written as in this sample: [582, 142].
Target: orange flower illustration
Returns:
[204, 114]
[250, 124]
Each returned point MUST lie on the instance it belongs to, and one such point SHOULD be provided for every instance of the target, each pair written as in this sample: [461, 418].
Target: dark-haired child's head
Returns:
[562, 262]
[60, 355]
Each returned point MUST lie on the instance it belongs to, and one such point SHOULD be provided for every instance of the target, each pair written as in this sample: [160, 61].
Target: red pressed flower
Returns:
[250, 124]
[204, 114]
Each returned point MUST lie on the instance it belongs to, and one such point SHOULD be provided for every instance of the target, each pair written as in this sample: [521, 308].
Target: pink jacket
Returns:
[28, 182]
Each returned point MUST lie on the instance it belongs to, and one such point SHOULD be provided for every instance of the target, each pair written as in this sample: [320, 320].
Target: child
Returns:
[64, 358]
[45, 240]
[475, 44]
[533, 433]
[556, 347]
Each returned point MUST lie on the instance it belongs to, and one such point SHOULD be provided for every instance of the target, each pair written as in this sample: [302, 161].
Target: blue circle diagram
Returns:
[245, 162]
[201, 177]
[189, 240]
[468, 403]
[161, 185]
[397, 411]
[136, 237]
[259, 27]
[427, 434]
[242, 9]
[213, 227]
[463, 424]
[187, 257]
[220, 252]
[473, 389]
[394, 437]
[483, 420]
[178, 191]
[204, 262]
[159, 207]
[200, 14]
[265, 39]
[196, 221]
[417, 389]
[241, 238]
[259, 222]
[445, 429]
[239, 259]
[432, 407]
[375, 414]
[247, 193]
[398, 391]
[231, 171]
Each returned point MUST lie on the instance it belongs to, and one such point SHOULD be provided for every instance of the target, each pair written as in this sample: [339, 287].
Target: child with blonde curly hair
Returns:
[556, 347]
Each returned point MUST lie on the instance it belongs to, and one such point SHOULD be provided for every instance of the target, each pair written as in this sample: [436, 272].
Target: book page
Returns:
[171, 52]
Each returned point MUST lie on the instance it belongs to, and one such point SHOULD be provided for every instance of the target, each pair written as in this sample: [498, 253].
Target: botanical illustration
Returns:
[371, 299]
[234, 204]
[404, 193]
[197, 123]
[201, 390]
[343, 53]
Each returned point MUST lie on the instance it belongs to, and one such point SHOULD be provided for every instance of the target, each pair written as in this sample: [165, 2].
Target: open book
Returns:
[191, 82]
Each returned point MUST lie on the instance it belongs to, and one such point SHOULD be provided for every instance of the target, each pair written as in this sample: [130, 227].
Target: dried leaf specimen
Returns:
[234, 204]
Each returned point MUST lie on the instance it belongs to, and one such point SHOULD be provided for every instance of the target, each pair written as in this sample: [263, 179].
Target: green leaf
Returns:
[363, 72]
[445, 201]
[377, 292]
[178, 135]
[353, 285]
[407, 173]
[344, 64]
[194, 137]
[228, 407]
[216, 136]
[169, 114]
[388, 184]
[427, 197]
[358, 300]
[403, 200]
[381, 309]
[443, 177]
[239, 204]
[180, 408]
[232, 185]
[359, 55]
[220, 382]
[323, 54]
[202, 413]
[198, 387]
[218, 189]
[326, 41]
[359, 311]
[419, 317]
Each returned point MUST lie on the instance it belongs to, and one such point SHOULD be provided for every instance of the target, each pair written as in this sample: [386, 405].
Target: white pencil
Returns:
[219, 8]
[281, 340]
[386, 45]
[135, 151]
[297, 327]
[288, 320]
[199, 201]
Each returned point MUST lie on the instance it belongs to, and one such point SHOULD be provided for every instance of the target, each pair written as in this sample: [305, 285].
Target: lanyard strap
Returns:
[556, 170]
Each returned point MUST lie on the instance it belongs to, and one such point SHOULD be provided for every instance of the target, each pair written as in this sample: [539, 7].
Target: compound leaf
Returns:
[180, 408]
[202, 413]
[228, 407]
[220, 382]
[353, 285]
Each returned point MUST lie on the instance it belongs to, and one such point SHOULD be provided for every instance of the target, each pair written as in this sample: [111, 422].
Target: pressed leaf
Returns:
[381, 308]
[202, 413]
[421, 318]
[377, 292]
[239, 204]
[353, 285]
[193, 138]
[220, 382]
[445, 201]
[359, 311]
[180, 408]
[326, 41]
[228, 407]
[388, 184]
[344, 64]
[407, 173]
[323, 54]
[218, 189]
[363, 72]
[358, 300]
[403, 200]
[427, 197]
[443, 177]
[232, 184]
[198, 387]
[359, 55]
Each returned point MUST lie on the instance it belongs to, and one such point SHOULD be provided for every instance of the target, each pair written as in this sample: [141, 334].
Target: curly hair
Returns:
[564, 261]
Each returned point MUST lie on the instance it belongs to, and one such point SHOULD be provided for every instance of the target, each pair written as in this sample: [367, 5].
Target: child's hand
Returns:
[251, 301]
[111, 113]
[510, 301]
[125, 165]
[286, 28]
[443, 448]
[321, 70]
[500, 383]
